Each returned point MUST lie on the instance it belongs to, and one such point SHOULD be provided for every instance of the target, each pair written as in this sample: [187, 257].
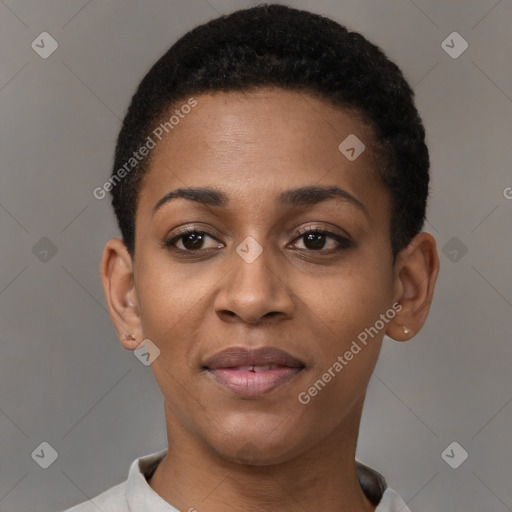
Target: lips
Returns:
[234, 357]
[254, 368]
[252, 373]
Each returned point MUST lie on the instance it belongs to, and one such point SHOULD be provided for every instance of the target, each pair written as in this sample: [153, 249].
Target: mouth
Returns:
[253, 373]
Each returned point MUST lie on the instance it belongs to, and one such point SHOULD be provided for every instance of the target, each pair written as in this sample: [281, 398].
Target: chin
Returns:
[257, 449]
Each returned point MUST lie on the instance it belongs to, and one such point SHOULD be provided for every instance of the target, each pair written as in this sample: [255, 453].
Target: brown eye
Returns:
[314, 241]
[325, 242]
[190, 241]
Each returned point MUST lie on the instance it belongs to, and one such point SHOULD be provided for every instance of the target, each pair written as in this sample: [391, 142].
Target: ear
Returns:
[116, 270]
[416, 270]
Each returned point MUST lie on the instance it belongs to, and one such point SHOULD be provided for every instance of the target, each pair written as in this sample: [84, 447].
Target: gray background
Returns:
[64, 378]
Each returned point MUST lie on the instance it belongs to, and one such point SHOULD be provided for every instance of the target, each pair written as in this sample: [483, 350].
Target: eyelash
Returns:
[344, 243]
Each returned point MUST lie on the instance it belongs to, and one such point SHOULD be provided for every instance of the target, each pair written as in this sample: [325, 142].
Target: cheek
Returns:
[349, 308]
[347, 346]
[175, 306]
[167, 301]
[348, 302]
[346, 312]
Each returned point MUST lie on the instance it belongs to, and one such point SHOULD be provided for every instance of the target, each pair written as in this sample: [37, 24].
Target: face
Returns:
[285, 247]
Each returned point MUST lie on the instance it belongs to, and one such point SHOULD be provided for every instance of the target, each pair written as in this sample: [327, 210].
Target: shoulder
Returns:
[392, 502]
[126, 495]
[376, 489]
[112, 500]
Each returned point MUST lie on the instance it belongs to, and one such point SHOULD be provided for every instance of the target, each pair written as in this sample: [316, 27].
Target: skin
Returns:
[228, 453]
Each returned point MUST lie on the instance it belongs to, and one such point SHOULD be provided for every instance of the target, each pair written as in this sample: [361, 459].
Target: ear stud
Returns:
[129, 337]
[407, 330]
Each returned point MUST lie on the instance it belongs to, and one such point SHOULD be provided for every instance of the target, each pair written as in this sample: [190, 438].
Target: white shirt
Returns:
[135, 494]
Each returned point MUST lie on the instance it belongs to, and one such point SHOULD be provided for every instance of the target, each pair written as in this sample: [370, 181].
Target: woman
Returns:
[270, 184]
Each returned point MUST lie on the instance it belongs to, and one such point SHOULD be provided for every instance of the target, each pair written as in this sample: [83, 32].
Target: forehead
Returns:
[257, 143]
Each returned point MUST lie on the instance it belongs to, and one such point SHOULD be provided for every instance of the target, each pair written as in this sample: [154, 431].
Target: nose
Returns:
[253, 292]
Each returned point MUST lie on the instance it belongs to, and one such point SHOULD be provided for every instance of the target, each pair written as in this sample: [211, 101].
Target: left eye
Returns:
[316, 240]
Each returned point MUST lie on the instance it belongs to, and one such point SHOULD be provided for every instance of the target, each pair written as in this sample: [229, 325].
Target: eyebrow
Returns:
[303, 196]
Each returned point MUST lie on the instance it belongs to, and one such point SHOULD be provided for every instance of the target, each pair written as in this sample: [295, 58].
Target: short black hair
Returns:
[277, 46]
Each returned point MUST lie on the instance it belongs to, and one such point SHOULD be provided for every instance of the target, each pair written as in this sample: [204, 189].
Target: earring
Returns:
[407, 330]
[129, 337]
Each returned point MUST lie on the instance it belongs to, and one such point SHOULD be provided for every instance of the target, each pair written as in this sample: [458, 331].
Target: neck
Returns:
[192, 476]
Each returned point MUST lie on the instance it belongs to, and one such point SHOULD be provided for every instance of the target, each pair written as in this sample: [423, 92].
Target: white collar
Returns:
[142, 498]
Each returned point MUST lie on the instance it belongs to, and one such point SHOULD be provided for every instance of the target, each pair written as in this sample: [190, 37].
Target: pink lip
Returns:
[234, 369]
[251, 384]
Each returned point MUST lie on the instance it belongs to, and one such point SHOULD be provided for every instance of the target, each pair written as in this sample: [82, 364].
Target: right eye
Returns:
[191, 240]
